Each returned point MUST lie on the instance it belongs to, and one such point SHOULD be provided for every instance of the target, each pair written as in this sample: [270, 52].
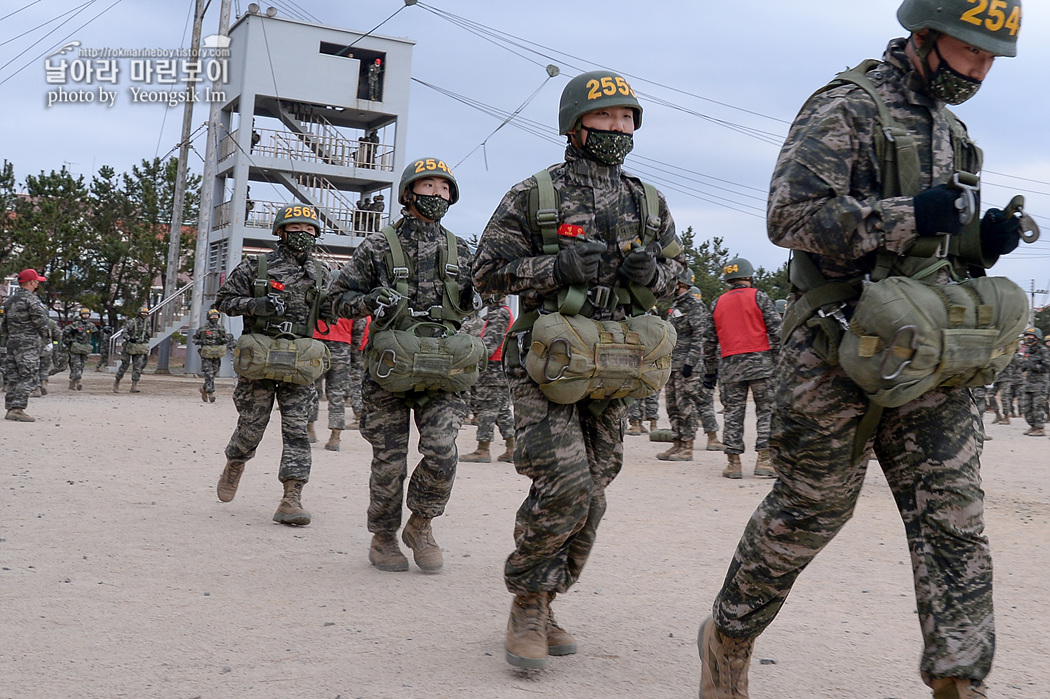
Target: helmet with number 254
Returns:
[989, 25]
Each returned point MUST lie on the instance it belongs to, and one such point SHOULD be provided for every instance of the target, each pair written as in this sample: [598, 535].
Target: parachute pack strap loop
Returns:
[865, 429]
[259, 287]
[547, 211]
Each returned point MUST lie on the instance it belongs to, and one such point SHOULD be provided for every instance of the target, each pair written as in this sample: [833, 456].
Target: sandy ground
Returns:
[123, 575]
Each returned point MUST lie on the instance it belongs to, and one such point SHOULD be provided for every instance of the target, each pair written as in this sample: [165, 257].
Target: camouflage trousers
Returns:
[1011, 397]
[571, 455]
[492, 404]
[335, 383]
[254, 402]
[103, 357]
[76, 366]
[355, 372]
[705, 407]
[645, 408]
[60, 360]
[385, 424]
[993, 398]
[1033, 403]
[209, 368]
[734, 399]
[137, 362]
[680, 396]
[22, 373]
[929, 451]
[45, 367]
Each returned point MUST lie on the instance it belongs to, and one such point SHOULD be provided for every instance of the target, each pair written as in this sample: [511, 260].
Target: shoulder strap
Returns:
[400, 272]
[545, 214]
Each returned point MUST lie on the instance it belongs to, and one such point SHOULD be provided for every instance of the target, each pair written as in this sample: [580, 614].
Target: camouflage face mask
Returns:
[299, 241]
[431, 206]
[608, 147]
[948, 85]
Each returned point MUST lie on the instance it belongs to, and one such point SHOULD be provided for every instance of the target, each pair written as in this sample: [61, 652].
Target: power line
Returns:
[17, 11]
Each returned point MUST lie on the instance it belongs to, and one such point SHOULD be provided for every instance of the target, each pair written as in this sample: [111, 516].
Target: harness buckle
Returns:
[452, 270]
[599, 296]
[836, 314]
[284, 326]
[400, 273]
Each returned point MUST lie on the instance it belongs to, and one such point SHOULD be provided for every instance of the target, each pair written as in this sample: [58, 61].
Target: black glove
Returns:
[687, 370]
[710, 380]
[381, 297]
[640, 264]
[999, 235]
[263, 306]
[936, 212]
[578, 263]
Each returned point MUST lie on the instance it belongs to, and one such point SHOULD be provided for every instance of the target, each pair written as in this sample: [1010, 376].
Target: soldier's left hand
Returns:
[687, 371]
[999, 234]
[640, 264]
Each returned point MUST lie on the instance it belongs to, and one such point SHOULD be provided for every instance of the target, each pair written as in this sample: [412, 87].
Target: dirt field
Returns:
[123, 575]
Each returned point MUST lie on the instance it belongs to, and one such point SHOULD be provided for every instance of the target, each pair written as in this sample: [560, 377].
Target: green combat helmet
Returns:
[1034, 332]
[737, 268]
[426, 167]
[991, 27]
[597, 89]
[296, 213]
[686, 277]
[782, 306]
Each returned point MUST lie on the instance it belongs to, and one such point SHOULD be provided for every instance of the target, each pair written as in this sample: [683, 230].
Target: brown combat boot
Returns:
[652, 425]
[385, 554]
[684, 453]
[204, 395]
[559, 641]
[733, 469]
[763, 466]
[116, 385]
[355, 423]
[998, 417]
[134, 387]
[37, 392]
[18, 415]
[211, 397]
[480, 455]
[508, 454]
[1005, 420]
[714, 443]
[291, 511]
[956, 688]
[1036, 432]
[311, 436]
[43, 387]
[72, 384]
[723, 663]
[418, 536]
[333, 441]
[636, 428]
[80, 386]
[231, 476]
[666, 455]
[526, 643]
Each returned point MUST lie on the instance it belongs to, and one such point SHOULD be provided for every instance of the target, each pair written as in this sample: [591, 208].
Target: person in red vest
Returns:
[492, 391]
[740, 350]
[335, 382]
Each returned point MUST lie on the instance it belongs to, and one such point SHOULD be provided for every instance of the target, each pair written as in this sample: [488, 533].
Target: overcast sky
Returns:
[719, 82]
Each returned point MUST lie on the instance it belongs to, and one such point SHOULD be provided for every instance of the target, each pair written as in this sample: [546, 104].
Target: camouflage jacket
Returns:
[1012, 373]
[690, 319]
[1037, 364]
[422, 243]
[26, 324]
[825, 195]
[751, 365]
[604, 201]
[212, 333]
[78, 331]
[138, 330]
[296, 274]
[495, 327]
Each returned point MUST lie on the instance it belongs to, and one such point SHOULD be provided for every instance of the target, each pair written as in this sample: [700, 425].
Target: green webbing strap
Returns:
[450, 312]
[262, 280]
[319, 297]
[400, 271]
[260, 287]
[642, 298]
[829, 294]
[571, 299]
[448, 268]
[865, 429]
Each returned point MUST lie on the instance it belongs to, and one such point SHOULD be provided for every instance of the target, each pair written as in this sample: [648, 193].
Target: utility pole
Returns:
[1031, 306]
[171, 277]
[200, 263]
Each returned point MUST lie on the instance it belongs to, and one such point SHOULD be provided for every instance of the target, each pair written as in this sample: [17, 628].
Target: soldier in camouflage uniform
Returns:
[472, 325]
[336, 381]
[3, 350]
[365, 286]
[59, 351]
[211, 334]
[1036, 366]
[136, 331]
[293, 278]
[105, 334]
[1010, 383]
[740, 352]
[76, 338]
[26, 328]
[826, 202]
[572, 451]
[689, 317]
[648, 409]
[491, 395]
[358, 335]
[48, 357]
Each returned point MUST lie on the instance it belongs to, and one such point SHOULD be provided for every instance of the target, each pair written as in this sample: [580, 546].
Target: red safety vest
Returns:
[340, 332]
[739, 323]
[498, 354]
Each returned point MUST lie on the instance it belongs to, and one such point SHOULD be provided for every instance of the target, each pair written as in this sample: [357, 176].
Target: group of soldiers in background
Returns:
[369, 213]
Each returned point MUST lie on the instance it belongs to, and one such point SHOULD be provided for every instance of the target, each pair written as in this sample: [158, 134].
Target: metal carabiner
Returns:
[550, 351]
[889, 351]
[393, 362]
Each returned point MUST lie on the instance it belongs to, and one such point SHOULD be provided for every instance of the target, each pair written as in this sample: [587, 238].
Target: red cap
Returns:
[30, 275]
[379, 61]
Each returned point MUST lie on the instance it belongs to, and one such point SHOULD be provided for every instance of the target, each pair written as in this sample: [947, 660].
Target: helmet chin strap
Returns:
[924, 51]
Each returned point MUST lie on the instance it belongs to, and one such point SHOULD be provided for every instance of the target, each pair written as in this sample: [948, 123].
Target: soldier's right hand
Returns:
[937, 211]
[262, 306]
[710, 380]
[381, 297]
[578, 263]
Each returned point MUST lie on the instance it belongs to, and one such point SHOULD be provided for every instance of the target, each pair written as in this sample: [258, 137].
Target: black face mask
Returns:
[607, 147]
[949, 85]
[431, 206]
[299, 241]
